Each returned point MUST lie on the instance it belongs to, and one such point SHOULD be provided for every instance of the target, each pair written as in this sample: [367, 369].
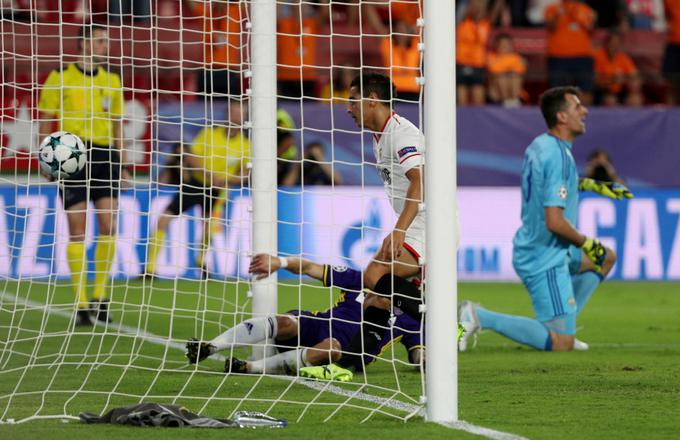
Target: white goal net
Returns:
[170, 261]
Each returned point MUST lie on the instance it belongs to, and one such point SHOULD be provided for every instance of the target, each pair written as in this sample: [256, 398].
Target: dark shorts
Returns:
[100, 178]
[470, 76]
[671, 62]
[577, 71]
[192, 193]
[314, 328]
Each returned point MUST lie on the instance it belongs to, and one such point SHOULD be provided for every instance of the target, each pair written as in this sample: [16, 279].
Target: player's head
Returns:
[369, 93]
[93, 41]
[562, 110]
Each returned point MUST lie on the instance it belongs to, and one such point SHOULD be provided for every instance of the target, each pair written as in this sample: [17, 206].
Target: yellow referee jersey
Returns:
[84, 102]
[222, 155]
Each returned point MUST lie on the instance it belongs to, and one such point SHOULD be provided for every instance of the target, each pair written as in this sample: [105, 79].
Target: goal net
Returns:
[184, 230]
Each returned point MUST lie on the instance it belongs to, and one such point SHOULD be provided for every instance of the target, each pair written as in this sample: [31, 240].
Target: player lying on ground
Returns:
[305, 338]
[560, 267]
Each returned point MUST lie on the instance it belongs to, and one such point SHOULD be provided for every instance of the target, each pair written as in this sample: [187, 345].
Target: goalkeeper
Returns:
[560, 267]
[217, 158]
[306, 338]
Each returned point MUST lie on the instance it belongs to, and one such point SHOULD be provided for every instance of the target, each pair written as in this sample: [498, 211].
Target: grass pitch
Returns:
[626, 386]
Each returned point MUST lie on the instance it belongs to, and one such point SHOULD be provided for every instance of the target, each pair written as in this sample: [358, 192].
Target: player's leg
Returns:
[106, 209]
[585, 279]
[189, 195]
[212, 213]
[553, 302]
[76, 215]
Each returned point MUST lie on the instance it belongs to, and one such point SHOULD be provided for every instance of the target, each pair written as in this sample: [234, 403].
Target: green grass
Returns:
[626, 386]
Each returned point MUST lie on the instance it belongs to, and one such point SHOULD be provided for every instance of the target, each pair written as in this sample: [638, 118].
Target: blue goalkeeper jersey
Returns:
[549, 178]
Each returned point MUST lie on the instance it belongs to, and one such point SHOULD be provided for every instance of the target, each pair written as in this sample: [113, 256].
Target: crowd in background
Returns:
[489, 68]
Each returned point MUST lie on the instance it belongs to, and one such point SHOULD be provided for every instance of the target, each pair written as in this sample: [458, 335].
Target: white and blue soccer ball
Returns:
[62, 155]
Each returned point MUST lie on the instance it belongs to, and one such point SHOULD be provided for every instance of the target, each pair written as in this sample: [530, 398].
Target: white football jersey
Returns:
[397, 149]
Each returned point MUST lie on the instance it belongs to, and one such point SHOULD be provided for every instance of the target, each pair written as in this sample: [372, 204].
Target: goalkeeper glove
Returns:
[612, 190]
[595, 252]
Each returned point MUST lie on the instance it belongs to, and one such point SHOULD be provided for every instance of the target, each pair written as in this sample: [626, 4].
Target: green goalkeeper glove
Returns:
[595, 252]
[612, 190]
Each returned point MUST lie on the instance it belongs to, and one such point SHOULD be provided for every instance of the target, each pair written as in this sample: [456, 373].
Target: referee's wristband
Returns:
[283, 262]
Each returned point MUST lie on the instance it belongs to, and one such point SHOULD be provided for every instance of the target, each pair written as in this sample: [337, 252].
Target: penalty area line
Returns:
[316, 385]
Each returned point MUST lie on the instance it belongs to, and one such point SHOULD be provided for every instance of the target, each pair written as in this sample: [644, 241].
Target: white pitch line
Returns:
[160, 340]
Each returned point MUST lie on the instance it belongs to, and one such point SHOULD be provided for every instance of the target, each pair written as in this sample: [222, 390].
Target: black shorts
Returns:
[671, 62]
[577, 71]
[470, 76]
[192, 193]
[100, 178]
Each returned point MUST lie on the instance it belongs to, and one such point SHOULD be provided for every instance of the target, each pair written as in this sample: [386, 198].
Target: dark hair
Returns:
[554, 101]
[376, 83]
[503, 36]
[596, 152]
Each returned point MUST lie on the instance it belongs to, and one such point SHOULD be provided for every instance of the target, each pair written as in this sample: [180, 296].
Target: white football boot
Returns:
[580, 345]
[467, 316]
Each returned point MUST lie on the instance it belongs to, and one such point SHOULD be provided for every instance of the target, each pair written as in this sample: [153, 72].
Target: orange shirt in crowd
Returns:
[293, 53]
[471, 40]
[406, 10]
[570, 37]
[500, 63]
[620, 65]
[224, 42]
[673, 19]
[405, 63]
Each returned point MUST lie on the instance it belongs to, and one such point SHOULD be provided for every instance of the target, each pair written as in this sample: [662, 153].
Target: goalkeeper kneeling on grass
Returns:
[559, 266]
[305, 339]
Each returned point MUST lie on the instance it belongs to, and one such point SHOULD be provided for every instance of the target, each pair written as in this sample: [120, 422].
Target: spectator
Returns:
[298, 27]
[139, 10]
[338, 90]
[536, 11]
[671, 59]
[382, 13]
[316, 170]
[646, 14]
[224, 46]
[288, 164]
[616, 77]
[610, 13]
[472, 36]
[600, 167]
[570, 48]
[401, 55]
[506, 72]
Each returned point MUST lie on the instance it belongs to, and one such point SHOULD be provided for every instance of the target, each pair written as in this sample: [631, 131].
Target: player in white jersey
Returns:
[399, 147]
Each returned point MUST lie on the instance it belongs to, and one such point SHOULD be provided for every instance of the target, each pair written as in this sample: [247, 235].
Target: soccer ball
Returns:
[62, 155]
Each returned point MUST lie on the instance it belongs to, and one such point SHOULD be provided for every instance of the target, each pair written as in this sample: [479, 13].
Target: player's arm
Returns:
[393, 243]
[262, 265]
[558, 225]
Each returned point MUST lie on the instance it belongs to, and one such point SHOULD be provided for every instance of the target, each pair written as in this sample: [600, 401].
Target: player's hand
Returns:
[595, 252]
[262, 265]
[392, 246]
[612, 190]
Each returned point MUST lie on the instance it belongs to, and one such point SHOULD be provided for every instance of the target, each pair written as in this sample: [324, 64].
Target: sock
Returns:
[406, 295]
[77, 262]
[280, 363]
[584, 286]
[373, 329]
[520, 329]
[103, 260]
[205, 243]
[155, 244]
[251, 331]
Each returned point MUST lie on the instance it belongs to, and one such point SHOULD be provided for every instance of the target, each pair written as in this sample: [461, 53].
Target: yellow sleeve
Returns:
[198, 145]
[117, 100]
[50, 96]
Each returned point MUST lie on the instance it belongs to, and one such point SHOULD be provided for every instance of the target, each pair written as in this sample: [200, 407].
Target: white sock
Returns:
[293, 360]
[251, 331]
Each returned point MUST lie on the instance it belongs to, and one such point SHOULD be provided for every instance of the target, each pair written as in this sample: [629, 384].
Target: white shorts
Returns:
[415, 241]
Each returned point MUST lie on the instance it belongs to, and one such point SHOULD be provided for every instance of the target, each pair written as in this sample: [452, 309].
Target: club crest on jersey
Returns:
[563, 193]
[385, 174]
[339, 268]
[406, 150]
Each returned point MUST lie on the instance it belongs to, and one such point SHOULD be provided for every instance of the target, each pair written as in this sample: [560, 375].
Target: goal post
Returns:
[440, 204]
[264, 185]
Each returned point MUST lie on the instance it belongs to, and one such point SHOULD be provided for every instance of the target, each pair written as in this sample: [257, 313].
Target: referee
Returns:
[87, 100]
[216, 159]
